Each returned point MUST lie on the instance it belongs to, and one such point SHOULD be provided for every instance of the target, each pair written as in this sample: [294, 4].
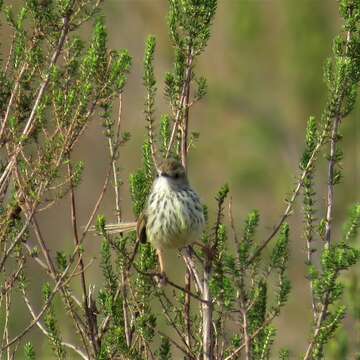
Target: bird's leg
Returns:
[161, 260]
[162, 266]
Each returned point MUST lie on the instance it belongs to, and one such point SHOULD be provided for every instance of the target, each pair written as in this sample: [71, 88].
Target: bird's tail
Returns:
[118, 228]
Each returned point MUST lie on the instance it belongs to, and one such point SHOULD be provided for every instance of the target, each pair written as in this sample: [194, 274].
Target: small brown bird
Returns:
[173, 216]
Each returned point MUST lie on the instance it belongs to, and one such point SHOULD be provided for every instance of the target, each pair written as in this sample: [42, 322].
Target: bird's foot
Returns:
[161, 279]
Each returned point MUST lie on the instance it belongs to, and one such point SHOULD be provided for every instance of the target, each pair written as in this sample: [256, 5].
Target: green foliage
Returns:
[139, 187]
[311, 139]
[201, 90]
[149, 76]
[174, 80]
[51, 326]
[251, 223]
[189, 23]
[61, 259]
[100, 224]
[279, 255]
[164, 351]
[257, 315]
[150, 86]
[222, 194]
[351, 228]
[284, 354]
[121, 66]
[341, 76]
[108, 272]
[326, 332]
[337, 258]
[59, 82]
[141, 181]
[328, 290]
[341, 72]
[95, 62]
[165, 133]
[269, 337]
[29, 352]
[222, 287]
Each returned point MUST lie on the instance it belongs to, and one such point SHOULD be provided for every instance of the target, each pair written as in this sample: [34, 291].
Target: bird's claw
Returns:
[161, 279]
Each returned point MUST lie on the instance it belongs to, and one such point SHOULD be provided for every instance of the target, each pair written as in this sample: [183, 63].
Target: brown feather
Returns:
[117, 228]
[141, 228]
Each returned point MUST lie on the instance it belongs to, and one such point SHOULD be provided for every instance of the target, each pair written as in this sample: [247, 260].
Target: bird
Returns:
[173, 216]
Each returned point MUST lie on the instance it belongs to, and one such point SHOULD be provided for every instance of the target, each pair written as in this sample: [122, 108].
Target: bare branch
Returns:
[30, 122]
[58, 284]
[46, 333]
[294, 196]
[181, 105]
[90, 317]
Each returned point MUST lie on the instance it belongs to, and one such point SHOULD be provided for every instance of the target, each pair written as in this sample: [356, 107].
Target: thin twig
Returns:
[191, 266]
[185, 123]
[190, 356]
[124, 271]
[331, 177]
[30, 122]
[329, 214]
[32, 250]
[207, 313]
[42, 311]
[97, 205]
[113, 157]
[187, 292]
[11, 100]
[6, 324]
[181, 105]
[308, 213]
[90, 317]
[127, 325]
[247, 339]
[9, 283]
[319, 322]
[251, 337]
[232, 224]
[52, 269]
[150, 129]
[187, 307]
[49, 265]
[45, 332]
[169, 282]
[171, 320]
[10, 54]
[17, 239]
[295, 194]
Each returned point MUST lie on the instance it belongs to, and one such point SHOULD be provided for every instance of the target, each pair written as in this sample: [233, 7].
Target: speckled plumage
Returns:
[174, 215]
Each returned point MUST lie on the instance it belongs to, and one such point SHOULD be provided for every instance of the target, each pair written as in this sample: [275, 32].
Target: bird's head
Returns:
[172, 170]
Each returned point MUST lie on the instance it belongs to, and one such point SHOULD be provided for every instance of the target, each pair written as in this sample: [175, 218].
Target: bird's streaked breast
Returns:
[174, 215]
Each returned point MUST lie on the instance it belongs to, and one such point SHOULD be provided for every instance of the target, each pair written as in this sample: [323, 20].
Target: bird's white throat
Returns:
[162, 185]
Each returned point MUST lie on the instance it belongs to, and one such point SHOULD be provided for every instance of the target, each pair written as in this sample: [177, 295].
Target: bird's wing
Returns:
[118, 228]
[141, 228]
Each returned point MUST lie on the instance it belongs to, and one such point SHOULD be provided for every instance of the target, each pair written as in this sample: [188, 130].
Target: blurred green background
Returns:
[264, 68]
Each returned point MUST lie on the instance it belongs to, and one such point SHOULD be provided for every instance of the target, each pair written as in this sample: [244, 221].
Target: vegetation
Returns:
[52, 85]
